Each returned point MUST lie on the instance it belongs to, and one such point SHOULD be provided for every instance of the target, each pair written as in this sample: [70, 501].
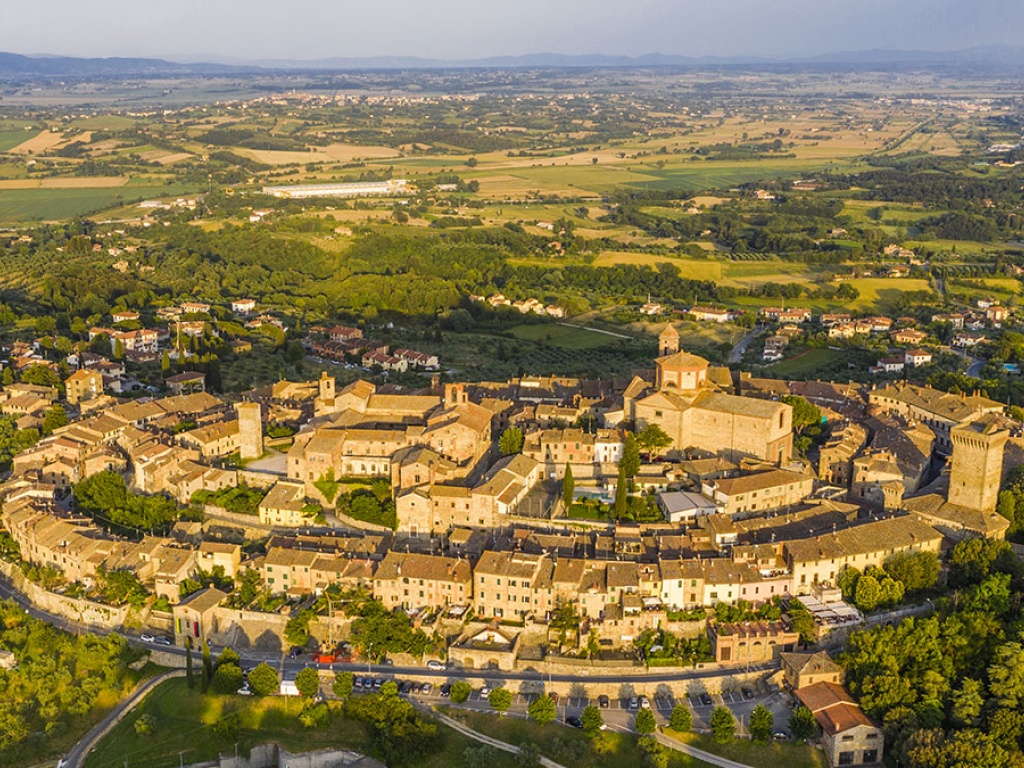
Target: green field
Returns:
[806, 363]
[880, 293]
[563, 337]
[747, 752]
[27, 205]
[186, 720]
[566, 745]
[11, 138]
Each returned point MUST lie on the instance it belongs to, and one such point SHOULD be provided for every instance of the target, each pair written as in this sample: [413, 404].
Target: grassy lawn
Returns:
[568, 746]
[186, 720]
[562, 337]
[756, 755]
[880, 293]
[806, 363]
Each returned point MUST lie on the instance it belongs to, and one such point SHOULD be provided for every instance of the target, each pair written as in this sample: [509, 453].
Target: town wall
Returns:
[74, 609]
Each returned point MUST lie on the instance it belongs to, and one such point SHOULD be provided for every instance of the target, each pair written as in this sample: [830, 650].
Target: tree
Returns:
[652, 438]
[762, 722]
[802, 724]
[868, 593]
[629, 464]
[528, 755]
[568, 486]
[654, 754]
[915, 570]
[229, 656]
[308, 682]
[805, 414]
[263, 680]
[227, 679]
[500, 700]
[189, 674]
[342, 685]
[460, 691]
[644, 723]
[1006, 674]
[592, 720]
[723, 725]
[296, 631]
[55, 418]
[802, 622]
[621, 496]
[681, 718]
[207, 665]
[966, 703]
[484, 756]
[542, 710]
[847, 582]
[511, 441]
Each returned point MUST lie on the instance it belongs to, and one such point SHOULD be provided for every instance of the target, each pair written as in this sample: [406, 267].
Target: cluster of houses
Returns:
[343, 343]
[526, 306]
[905, 469]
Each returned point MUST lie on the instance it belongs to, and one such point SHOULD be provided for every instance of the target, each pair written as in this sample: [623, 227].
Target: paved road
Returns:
[77, 756]
[740, 347]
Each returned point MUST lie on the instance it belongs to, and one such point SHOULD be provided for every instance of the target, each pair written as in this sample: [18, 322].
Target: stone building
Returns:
[849, 737]
[800, 670]
[751, 642]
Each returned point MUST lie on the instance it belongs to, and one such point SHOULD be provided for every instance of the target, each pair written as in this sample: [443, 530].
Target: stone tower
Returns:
[250, 430]
[668, 341]
[977, 470]
[326, 387]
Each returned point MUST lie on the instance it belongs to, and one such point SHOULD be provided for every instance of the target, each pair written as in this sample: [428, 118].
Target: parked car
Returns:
[357, 682]
[377, 683]
[574, 722]
[485, 692]
[781, 736]
[633, 703]
[146, 638]
[446, 689]
[245, 690]
[747, 693]
[426, 688]
[405, 687]
[645, 703]
[161, 640]
[603, 701]
[705, 699]
[435, 665]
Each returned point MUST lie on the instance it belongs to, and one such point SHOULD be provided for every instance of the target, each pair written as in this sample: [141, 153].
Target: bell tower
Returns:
[668, 341]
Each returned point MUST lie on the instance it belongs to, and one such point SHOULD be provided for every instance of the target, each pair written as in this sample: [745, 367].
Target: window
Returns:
[848, 737]
[845, 758]
[870, 756]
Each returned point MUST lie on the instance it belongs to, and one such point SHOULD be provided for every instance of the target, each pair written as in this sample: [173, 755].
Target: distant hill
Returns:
[994, 58]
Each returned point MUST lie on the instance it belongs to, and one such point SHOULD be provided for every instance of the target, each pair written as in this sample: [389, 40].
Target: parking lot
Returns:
[620, 711]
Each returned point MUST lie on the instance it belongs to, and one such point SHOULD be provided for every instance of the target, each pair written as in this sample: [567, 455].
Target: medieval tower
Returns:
[668, 341]
[250, 430]
[977, 470]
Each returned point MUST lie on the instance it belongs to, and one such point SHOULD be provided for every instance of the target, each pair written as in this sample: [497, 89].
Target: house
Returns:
[195, 616]
[759, 491]
[683, 506]
[889, 365]
[955, 320]
[751, 642]
[711, 315]
[385, 361]
[243, 307]
[344, 333]
[410, 580]
[186, 383]
[195, 308]
[916, 357]
[83, 385]
[800, 670]
[967, 339]
[124, 316]
[908, 337]
[996, 315]
[284, 505]
[849, 737]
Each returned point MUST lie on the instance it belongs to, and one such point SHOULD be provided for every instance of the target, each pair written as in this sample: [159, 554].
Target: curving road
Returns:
[77, 756]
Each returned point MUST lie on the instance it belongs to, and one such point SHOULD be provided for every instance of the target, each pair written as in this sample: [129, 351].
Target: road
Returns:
[740, 347]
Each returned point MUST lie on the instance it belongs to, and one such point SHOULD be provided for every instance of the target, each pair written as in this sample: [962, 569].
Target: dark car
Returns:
[574, 722]
[406, 687]
[705, 699]
[357, 682]
[747, 693]
[603, 701]
[161, 640]
[378, 682]
[446, 689]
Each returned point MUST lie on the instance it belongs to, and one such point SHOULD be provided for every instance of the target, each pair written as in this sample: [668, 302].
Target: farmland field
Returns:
[12, 138]
[563, 336]
[22, 205]
[879, 293]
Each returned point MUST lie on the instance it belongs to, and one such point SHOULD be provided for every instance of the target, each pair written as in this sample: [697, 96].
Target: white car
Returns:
[147, 638]
[435, 665]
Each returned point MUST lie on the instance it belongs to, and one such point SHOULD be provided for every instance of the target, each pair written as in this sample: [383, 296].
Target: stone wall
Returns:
[82, 611]
[273, 756]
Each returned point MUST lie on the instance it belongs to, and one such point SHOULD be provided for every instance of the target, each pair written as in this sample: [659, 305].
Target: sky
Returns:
[467, 29]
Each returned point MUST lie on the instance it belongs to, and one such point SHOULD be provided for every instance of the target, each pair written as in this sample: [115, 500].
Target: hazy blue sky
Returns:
[458, 29]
